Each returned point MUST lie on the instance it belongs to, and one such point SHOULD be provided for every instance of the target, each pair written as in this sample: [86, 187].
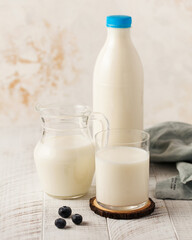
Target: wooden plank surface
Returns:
[180, 212]
[20, 194]
[92, 228]
[157, 226]
[27, 213]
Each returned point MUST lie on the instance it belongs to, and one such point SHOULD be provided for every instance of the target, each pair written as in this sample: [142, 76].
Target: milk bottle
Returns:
[118, 77]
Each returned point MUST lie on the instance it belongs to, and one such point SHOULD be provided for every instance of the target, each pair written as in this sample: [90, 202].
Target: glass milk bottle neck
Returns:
[118, 34]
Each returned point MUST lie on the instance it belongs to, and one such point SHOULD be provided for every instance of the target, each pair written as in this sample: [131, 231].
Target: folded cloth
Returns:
[179, 187]
[172, 142]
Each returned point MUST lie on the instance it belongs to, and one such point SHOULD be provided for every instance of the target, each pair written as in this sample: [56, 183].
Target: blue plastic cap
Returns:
[118, 21]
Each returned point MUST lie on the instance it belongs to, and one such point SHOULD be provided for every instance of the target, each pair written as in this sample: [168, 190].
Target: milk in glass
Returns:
[122, 175]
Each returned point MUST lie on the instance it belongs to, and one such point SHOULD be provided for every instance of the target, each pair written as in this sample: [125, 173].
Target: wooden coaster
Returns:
[130, 214]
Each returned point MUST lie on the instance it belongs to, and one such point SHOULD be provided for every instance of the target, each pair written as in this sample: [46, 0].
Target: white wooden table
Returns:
[27, 213]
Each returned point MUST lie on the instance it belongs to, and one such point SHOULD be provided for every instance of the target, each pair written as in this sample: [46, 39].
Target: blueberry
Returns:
[60, 223]
[64, 211]
[77, 219]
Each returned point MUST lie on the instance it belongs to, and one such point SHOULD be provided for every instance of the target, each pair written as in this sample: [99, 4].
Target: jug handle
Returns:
[96, 116]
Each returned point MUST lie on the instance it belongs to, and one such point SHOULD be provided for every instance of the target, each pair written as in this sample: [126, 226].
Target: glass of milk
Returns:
[122, 169]
[65, 154]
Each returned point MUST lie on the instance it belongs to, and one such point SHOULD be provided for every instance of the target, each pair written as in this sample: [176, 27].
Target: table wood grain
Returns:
[27, 213]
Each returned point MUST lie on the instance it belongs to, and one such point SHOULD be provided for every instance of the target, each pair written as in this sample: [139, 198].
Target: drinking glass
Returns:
[122, 169]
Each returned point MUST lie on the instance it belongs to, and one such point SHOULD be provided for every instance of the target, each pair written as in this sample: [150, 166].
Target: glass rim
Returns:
[125, 130]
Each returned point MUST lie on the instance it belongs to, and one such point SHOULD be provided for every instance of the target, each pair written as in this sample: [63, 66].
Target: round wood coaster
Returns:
[131, 214]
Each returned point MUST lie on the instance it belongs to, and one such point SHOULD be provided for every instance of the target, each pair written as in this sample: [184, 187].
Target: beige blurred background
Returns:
[48, 49]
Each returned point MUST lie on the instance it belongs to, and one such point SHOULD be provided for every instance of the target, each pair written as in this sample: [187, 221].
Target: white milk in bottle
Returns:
[118, 77]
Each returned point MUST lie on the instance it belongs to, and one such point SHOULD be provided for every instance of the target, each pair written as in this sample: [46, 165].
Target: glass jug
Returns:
[65, 155]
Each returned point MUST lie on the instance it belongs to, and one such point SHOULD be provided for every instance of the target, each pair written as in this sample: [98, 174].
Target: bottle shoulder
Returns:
[117, 54]
[118, 64]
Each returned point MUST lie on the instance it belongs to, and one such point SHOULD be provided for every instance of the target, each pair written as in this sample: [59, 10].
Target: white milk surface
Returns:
[122, 175]
[65, 165]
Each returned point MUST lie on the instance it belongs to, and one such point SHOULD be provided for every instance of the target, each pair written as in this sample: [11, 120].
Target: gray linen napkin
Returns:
[172, 142]
[178, 187]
